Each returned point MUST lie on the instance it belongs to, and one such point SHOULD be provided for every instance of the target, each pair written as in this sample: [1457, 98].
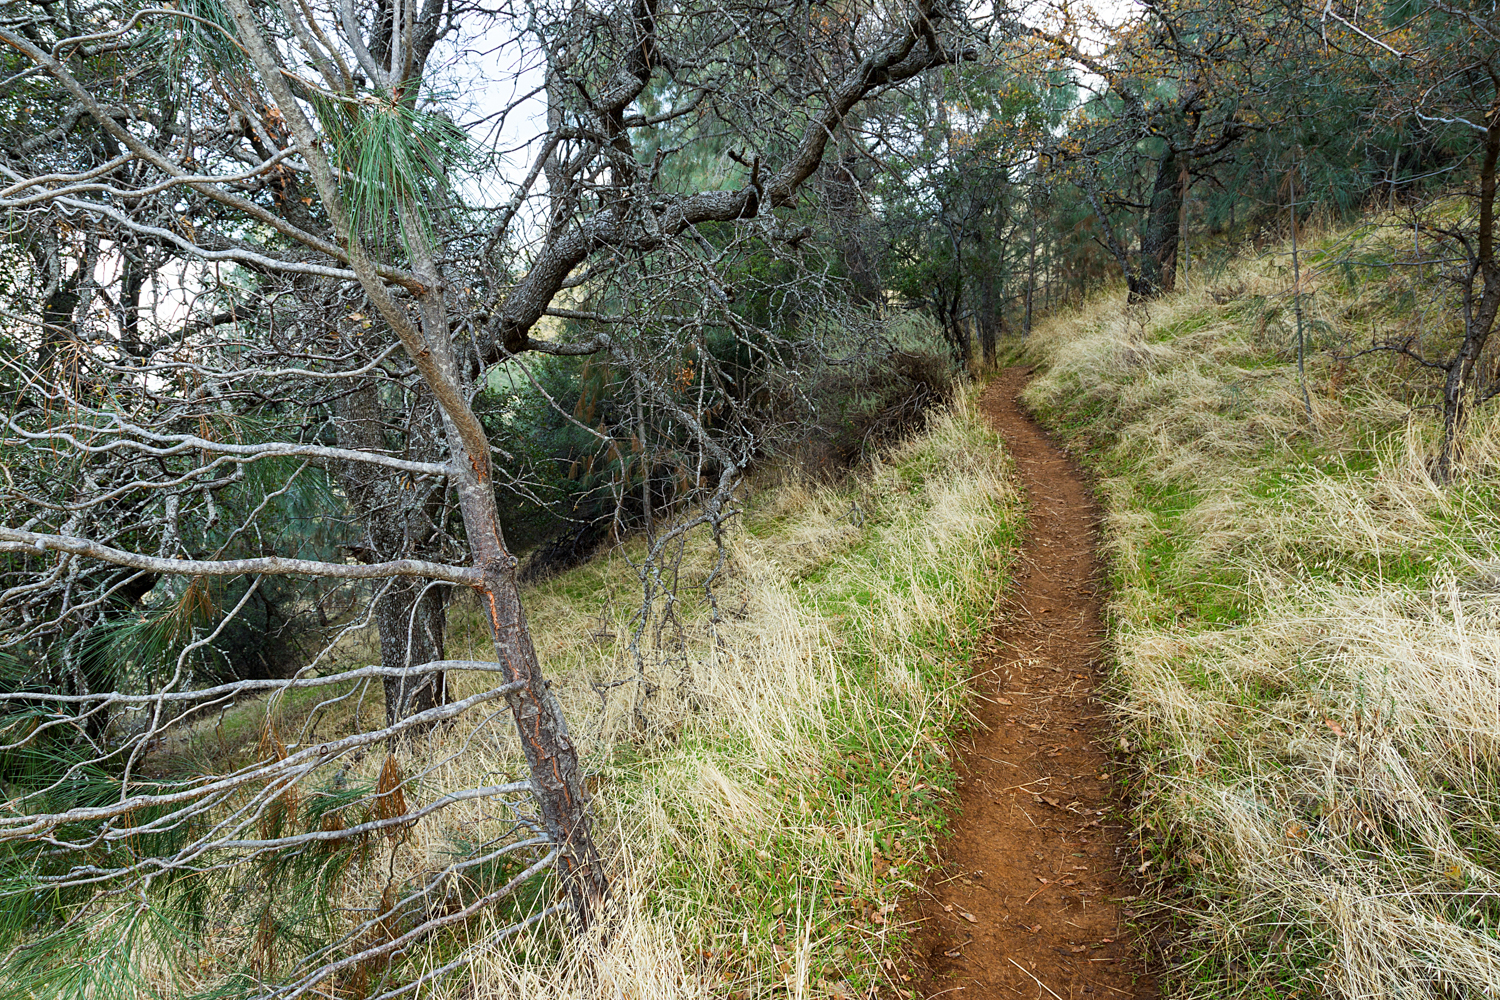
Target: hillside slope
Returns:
[768, 789]
[1306, 633]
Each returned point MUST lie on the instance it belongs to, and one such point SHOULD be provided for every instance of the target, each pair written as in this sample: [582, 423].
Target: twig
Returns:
[1033, 978]
[1297, 305]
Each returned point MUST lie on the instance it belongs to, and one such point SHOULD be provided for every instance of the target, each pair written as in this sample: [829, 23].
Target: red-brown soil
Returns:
[1031, 900]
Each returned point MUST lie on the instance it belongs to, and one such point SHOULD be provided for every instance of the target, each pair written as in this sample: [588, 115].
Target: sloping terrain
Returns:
[769, 789]
[1305, 632]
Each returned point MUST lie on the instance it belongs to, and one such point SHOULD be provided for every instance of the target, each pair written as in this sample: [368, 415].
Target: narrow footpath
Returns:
[1031, 901]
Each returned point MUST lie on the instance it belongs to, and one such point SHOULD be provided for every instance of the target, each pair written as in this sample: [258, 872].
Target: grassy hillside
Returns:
[771, 788]
[1306, 626]
[776, 797]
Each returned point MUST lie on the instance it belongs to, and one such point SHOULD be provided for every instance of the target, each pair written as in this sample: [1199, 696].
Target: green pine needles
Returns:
[201, 33]
[391, 154]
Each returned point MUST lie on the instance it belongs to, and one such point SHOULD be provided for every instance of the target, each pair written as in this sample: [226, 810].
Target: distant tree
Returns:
[955, 195]
[1176, 88]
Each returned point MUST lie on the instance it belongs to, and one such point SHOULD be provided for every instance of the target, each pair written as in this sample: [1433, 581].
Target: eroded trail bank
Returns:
[1031, 901]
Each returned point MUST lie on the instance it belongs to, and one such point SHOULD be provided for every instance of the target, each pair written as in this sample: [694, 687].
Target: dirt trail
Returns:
[1031, 902]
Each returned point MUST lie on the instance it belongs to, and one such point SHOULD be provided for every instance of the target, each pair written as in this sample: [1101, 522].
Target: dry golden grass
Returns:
[764, 801]
[1308, 639]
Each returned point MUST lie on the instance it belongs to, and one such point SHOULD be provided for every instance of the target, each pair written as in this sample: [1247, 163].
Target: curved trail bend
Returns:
[1032, 902]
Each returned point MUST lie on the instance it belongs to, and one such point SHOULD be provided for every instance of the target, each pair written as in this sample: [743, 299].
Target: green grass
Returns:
[766, 814]
[770, 806]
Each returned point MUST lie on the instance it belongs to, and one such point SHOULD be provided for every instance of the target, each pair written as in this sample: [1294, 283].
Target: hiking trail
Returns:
[1031, 901]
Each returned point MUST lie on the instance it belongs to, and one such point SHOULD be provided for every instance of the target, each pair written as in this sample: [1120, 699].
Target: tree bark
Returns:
[990, 320]
[1157, 273]
[411, 618]
[1461, 385]
[1030, 263]
[398, 523]
[551, 756]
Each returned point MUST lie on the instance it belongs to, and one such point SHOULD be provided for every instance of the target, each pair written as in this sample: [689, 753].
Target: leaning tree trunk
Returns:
[551, 756]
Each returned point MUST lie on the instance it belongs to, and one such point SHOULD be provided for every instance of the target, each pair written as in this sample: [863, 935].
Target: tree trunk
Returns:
[398, 524]
[551, 757]
[993, 247]
[1157, 273]
[132, 281]
[1461, 385]
[950, 314]
[57, 328]
[412, 622]
[1455, 416]
[989, 307]
[1030, 264]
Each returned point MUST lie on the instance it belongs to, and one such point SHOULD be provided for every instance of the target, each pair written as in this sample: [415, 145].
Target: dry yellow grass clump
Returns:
[769, 787]
[1307, 631]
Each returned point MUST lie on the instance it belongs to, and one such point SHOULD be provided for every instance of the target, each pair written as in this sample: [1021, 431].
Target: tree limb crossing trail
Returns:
[1031, 901]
